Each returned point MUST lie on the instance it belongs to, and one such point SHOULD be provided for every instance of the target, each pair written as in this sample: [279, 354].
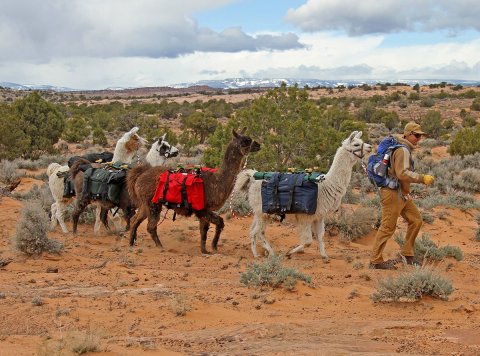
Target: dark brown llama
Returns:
[83, 200]
[142, 182]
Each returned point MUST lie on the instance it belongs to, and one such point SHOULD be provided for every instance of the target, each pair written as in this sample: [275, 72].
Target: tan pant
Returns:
[393, 206]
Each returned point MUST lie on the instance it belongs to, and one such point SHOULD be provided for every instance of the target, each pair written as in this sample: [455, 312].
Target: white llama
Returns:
[330, 194]
[125, 151]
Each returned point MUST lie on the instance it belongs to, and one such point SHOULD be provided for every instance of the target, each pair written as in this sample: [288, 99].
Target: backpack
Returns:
[289, 193]
[379, 163]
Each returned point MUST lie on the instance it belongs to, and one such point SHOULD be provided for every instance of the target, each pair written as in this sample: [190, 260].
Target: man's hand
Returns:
[428, 179]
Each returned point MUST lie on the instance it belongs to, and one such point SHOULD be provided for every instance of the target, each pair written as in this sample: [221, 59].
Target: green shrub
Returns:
[98, 136]
[466, 142]
[413, 286]
[271, 273]
[76, 130]
[31, 233]
[475, 104]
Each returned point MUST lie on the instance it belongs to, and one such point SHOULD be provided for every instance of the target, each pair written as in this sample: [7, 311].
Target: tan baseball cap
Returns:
[413, 127]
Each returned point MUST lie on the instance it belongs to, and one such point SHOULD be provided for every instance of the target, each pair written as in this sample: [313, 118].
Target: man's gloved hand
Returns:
[428, 179]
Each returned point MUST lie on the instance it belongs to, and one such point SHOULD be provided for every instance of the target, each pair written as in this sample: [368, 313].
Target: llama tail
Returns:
[132, 177]
[75, 168]
[52, 167]
[244, 180]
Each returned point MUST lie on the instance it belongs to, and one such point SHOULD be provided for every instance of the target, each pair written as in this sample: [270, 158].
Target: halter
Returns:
[167, 151]
[354, 152]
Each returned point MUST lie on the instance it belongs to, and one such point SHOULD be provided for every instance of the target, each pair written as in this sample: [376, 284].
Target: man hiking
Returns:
[396, 201]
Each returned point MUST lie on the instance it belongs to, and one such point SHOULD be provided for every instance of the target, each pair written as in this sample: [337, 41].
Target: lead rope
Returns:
[232, 213]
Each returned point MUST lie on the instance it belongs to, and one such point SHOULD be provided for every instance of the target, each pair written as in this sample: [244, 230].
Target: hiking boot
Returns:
[410, 260]
[383, 265]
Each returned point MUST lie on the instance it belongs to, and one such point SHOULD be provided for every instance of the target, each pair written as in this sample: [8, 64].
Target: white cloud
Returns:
[325, 57]
[40, 30]
[386, 16]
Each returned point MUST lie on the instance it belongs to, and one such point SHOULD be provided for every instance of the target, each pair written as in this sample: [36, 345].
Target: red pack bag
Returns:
[180, 189]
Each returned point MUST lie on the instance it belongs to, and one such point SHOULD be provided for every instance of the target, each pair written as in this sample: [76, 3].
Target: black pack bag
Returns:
[289, 193]
[92, 157]
[104, 184]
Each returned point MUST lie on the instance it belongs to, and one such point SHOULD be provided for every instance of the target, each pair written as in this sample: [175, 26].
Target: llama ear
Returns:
[234, 133]
[359, 134]
[164, 135]
[352, 135]
[244, 130]
[132, 131]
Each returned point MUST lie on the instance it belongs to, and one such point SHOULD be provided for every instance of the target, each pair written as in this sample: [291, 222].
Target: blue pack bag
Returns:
[379, 163]
[289, 193]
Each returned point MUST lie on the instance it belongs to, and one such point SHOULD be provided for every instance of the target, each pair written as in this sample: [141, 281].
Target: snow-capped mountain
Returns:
[243, 83]
[237, 83]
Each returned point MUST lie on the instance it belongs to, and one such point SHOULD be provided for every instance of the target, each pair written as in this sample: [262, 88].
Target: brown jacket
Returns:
[401, 166]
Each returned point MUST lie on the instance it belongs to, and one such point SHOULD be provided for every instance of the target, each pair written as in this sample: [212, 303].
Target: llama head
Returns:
[133, 141]
[163, 148]
[128, 145]
[355, 145]
[245, 143]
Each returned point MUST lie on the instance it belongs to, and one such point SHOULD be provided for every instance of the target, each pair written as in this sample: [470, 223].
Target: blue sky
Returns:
[93, 44]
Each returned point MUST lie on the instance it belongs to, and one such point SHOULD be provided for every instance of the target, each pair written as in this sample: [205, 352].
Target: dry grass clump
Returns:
[40, 194]
[273, 274]
[468, 180]
[425, 248]
[238, 204]
[31, 233]
[413, 286]
[354, 224]
[42, 162]
[73, 343]
[180, 305]
[9, 172]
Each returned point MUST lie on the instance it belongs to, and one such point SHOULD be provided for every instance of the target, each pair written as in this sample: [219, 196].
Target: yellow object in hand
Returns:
[428, 179]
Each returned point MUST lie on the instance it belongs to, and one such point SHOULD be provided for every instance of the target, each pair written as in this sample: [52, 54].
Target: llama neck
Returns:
[228, 171]
[120, 155]
[341, 169]
[338, 178]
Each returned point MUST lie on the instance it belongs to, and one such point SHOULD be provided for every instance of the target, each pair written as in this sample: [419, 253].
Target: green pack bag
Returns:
[104, 184]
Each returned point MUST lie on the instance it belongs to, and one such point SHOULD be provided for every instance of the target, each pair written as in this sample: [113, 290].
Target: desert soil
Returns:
[129, 298]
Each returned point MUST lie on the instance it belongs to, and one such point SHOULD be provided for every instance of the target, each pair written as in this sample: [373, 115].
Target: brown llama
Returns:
[159, 153]
[142, 182]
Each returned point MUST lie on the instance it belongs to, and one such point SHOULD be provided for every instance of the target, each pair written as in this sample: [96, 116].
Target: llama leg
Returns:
[103, 217]
[137, 220]
[320, 231]
[80, 206]
[305, 234]
[217, 220]
[53, 218]
[153, 218]
[60, 213]
[253, 236]
[128, 215]
[204, 225]
[259, 230]
[98, 219]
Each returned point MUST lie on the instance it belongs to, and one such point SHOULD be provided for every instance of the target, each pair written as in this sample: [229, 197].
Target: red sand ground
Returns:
[125, 296]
